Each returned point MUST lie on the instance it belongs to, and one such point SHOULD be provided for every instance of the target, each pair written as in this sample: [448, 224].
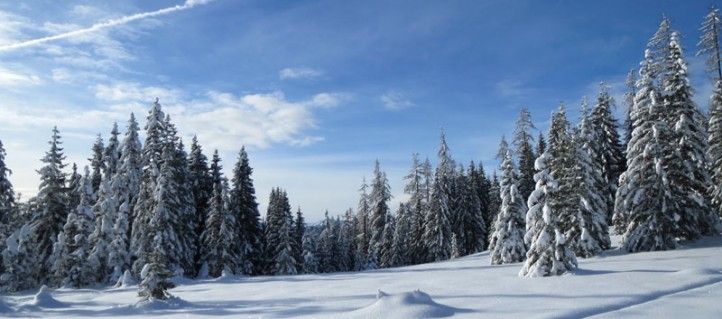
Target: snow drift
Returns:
[414, 304]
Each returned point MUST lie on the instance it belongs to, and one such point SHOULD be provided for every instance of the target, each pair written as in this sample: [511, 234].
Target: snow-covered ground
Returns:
[684, 283]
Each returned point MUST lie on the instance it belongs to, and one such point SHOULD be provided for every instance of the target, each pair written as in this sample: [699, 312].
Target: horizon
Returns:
[316, 101]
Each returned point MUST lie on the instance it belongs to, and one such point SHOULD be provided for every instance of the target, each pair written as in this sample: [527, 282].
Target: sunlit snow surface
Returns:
[683, 283]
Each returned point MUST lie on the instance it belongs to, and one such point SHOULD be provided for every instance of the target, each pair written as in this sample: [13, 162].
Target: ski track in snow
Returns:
[686, 282]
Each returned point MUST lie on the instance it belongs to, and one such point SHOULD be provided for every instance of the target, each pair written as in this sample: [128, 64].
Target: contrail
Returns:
[106, 24]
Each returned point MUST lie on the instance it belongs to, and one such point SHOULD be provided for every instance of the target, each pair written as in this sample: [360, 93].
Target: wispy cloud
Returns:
[299, 73]
[103, 25]
[395, 100]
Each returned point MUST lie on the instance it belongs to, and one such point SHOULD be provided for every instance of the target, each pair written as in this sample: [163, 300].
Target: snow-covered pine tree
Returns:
[105, 215]
[591, 186]
[709, 42]
[7, 203]
[437, 223]
[327, 248]
[541, 146]
[524, 151]
[401, 245]
[201, 185]
[363, 234]
[245, 209]
[97, 164]
[52, 201]
[278, 238]
[74, 182]
[125, 186]
[220, 228]
[481, 185]
[494, 205]
[310, 262]
[187, 222]
[414, 211]
[299, 229]
[386, 256]
[652, 206]
[379, 209]
[73, 268]
[549, 253]
[151, 159]
[658, 47]
[112, 152]
[630, 87]
[631, 180]
[347, 241]
[156, 273]
[689, 136]
[21, 260]
[609, 147]
[508, 237]
[284, 262]
[715, 147]
[468, 224]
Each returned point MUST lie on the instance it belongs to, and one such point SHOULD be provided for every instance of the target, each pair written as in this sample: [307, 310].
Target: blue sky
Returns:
[316, 89]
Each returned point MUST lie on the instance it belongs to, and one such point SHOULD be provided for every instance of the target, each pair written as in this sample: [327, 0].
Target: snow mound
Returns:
[172, 302]
[698, 272]
[44, 299]
[125, 280]
[407, 305]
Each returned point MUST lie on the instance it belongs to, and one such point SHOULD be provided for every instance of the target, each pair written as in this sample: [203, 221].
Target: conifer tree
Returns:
[658, 47]
[549, 253]
[591, 186]
[97, 164]
[481, 185]
[74, 182]
[379, 209]
[469, 225]
[709, 42]
[609, 147]
[631, 180]
[494, 204]
[507, 241]
[7, 203]
[112, 152]
[524, 152]
[151, 159]
[72, 268]
[21, 260]
[630, 85]
[386, 256]
[299, 229]
[328, 249]
[363, 235]
[201, 185]
[689, 133]
[715, 147]
[437, 223]
[310, 262]
[347, 241]
[401, 246]
[652, 209]
[245, 209]
[541, 146]
[219, 228]
[413, 213]
[125, 185]
[52, 201]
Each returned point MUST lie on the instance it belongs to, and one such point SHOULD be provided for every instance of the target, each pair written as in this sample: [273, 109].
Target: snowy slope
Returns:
[682, 283]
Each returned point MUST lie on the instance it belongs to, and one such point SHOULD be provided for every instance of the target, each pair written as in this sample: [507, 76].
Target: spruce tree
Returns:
[494, 204]
[507, 241]
[689, 136]
[402, 242]
[201, 185]
[245, 209]
[328, 249]
[413, 214]
[97, 164]
[525, 152]
[549, 253]
[541, 146]
[386, 256]
[74, 182]
[363, 234]
[630, 86]
[220, 227]
[73, 268]
[112, 152]
[7, 203]
[437, 223]
[52, 201]
[591, 186]
[715, 147]
[481, 185]
[21, 260]
[609, 147]
[151, 159]
[347, 241]
[709, 42]
[379, 209]
[299, 229]
[469, 226]
[125, 185]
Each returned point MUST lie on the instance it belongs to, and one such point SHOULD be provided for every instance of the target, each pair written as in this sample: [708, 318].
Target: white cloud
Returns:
[133, 92]
[69, 34]
[394, 100]
[10, 77]
[299, 73]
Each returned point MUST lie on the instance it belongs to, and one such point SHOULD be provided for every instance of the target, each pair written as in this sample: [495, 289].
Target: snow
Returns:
[686, 282]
